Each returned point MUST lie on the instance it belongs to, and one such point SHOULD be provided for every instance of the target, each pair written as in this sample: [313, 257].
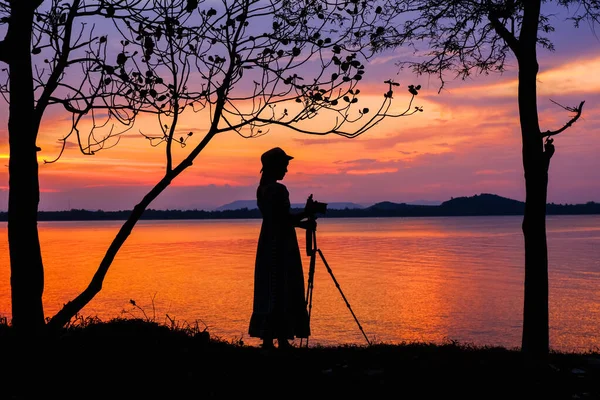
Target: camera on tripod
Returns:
[313, 207]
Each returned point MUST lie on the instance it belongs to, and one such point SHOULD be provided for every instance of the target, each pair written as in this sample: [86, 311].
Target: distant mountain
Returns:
[425, 203]
[481, 205]
[238, 205]
[251, 205]
[388, 208]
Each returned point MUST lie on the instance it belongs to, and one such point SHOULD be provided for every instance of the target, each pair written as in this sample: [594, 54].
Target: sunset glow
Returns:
[465, 142]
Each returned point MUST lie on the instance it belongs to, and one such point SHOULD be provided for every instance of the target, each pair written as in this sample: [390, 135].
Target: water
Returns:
[405, 279]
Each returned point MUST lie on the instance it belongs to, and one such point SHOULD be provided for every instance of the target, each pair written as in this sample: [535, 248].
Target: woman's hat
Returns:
[275, 156]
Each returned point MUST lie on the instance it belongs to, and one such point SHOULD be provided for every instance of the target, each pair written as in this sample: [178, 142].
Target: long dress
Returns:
[279, 309]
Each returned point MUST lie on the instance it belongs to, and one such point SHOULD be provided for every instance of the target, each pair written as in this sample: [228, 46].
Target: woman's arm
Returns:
[298, 218]
[304, 220]
[308, 224]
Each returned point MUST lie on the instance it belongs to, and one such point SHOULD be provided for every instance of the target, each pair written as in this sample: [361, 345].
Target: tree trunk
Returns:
[535, 340]
[27, 271]
[74, 306]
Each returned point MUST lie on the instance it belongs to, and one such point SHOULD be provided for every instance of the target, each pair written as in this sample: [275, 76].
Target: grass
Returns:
[140, 359]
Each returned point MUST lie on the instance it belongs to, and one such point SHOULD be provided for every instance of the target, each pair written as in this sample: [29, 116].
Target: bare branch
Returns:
[577, 110]
[242, 65]
[504, 33]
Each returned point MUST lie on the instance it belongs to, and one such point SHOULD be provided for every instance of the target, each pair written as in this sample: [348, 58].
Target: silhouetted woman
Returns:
[279, 310]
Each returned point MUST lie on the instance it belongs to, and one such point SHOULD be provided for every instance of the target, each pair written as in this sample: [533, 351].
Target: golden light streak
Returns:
[566, 79]
[372, 171]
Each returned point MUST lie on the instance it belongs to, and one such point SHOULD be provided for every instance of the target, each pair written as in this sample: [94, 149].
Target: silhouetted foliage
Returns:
[240, 65]
[53, 58]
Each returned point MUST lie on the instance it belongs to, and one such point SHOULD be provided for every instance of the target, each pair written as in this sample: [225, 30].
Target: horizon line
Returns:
[215, 210]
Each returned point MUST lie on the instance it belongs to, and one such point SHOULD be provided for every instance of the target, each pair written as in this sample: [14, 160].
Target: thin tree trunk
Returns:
[71, 309]
[74, 306]
[27, 272]
[535, 340]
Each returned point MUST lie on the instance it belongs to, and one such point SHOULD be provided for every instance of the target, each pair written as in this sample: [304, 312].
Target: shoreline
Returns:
[170, 215]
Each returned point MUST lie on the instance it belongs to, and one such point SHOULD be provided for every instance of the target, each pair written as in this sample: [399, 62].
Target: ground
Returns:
[133, 359]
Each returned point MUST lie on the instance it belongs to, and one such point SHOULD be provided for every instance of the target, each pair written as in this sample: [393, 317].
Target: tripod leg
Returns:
[311, 250]
[310, 283]
[310, 287]
[342, 293]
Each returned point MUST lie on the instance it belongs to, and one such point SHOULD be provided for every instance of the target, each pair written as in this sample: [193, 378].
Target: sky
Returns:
[465, 142]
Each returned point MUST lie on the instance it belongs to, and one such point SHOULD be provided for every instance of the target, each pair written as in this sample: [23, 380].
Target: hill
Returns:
[483, 204]
[477, 205]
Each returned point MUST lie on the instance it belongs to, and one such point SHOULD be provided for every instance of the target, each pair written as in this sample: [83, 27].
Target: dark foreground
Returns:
[133, 359]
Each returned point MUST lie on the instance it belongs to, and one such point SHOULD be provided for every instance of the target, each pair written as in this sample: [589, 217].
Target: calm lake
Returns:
[405, 279]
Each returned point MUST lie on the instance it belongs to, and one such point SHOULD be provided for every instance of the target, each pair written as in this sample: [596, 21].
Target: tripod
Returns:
[312, 250]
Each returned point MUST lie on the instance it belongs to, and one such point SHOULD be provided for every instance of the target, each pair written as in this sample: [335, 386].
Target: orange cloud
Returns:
[492, 172]
[573, 77]
[371, 171]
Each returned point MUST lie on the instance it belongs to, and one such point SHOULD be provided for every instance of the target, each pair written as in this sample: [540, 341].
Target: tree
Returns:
[243, 66]
[469, 37]
[50, 32]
